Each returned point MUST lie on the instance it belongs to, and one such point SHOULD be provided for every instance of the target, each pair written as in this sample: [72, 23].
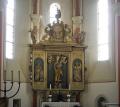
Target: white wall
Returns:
[21, 55]
[21, 48]
[98, 71]
[25, 94]
[94, 90]
[98, 82]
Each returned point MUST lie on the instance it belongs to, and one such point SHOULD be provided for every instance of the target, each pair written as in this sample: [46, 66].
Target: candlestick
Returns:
[19, 75]
[12, 76]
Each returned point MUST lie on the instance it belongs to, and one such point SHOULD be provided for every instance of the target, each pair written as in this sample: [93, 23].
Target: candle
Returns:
[12, 76]
[50, 86]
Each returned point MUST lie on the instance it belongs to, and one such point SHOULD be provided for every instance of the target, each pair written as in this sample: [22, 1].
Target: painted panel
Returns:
[57, 70]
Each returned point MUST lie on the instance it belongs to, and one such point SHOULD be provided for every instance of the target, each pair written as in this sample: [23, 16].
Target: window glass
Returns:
[9, 29]
[103, 36]
[53, 11]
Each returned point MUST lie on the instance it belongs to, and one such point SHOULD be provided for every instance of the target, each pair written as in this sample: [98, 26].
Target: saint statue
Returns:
[34, 34]
[39, 74]
[77, 72]
[58, 72]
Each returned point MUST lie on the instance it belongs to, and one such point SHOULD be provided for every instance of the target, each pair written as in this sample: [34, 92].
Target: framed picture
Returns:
[16, 102]
[77, 70]
[57, 70]
[39, 70]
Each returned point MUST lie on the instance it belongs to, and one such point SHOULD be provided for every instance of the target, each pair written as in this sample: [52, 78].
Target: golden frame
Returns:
[77, 84]
[60, 56]
[39, 84]
[75, 56]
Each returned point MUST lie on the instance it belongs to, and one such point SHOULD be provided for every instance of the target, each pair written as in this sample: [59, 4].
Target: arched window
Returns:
[10, 8]
[103, 35]
[53, 11]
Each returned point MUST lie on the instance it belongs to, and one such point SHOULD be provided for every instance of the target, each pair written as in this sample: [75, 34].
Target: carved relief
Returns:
[58, 32]
[57, 70]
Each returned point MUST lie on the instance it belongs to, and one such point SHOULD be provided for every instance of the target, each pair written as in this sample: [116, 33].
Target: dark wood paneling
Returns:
[34, 98]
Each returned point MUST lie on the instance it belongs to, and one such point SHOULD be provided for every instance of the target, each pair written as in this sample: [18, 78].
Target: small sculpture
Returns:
[58, 15]
[58, 71]
[34, 34]
[49, 30]
[78, 36]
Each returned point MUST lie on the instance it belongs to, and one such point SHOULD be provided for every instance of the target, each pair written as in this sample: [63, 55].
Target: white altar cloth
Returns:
[60, 104]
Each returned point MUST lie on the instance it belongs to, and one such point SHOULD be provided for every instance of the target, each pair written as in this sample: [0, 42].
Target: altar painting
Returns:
[57, 68]
[77, 70]
[39, 70]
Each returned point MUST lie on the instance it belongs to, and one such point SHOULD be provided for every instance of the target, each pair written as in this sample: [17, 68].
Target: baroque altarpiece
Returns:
[58, 62]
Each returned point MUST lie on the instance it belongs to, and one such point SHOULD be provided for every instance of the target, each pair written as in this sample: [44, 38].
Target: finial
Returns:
[58, 15]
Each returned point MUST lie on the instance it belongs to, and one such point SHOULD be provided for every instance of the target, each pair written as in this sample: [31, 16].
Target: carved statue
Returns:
[39, 73]
[77, 73]
[34, 34]
[58, 31]
[78, 36]
[58, 69]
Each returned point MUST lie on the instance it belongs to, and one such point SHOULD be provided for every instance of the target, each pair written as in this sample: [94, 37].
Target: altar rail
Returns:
[60, 104]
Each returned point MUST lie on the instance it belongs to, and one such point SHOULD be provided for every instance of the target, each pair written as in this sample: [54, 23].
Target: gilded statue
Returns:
[58, 70]
[77, 72]
[39, 73]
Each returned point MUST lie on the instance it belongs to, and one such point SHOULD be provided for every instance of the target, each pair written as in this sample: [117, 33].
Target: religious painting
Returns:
[39, 69]
[77, 70]
[57, 69]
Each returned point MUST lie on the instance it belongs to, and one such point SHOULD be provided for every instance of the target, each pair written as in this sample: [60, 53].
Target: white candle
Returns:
[50, 86]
